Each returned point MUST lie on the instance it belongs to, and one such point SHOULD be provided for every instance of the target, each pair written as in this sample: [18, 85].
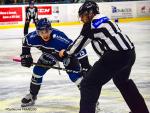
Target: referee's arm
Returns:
[82, 41]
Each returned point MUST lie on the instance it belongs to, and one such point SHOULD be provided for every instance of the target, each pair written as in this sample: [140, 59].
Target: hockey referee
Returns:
[31, 13]
[117, 56]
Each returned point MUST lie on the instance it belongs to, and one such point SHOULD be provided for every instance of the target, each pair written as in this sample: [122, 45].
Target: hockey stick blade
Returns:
[46, 66]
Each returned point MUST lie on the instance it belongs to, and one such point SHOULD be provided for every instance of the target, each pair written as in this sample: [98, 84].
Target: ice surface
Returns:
[58, 94]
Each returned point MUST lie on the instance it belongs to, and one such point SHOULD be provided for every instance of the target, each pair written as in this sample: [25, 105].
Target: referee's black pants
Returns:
[27, 23]
[116, 66]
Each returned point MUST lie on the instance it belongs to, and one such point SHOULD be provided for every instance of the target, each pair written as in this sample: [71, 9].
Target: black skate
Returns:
[28, 100]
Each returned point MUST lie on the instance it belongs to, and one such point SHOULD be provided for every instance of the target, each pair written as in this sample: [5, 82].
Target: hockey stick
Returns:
[58, 66]
[46, 66]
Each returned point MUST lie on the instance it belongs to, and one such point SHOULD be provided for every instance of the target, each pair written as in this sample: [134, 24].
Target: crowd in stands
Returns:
[8, 2]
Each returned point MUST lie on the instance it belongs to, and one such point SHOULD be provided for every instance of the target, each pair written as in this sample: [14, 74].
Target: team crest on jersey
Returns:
[99, 21]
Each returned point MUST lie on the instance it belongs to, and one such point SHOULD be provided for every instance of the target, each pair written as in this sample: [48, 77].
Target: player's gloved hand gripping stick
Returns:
[46, 66]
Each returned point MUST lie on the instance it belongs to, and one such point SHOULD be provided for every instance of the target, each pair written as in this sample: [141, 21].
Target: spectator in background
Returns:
[1, 2]
[15, 1]
[12, 1]
[9, 1]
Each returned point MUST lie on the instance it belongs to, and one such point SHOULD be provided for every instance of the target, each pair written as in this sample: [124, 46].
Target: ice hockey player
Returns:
[117, 56]
[31, 13]
[50, 41]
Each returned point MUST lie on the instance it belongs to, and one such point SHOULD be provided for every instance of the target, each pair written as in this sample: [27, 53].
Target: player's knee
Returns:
[39, 70]
[37, 75]
[36, 79]
[74, 76]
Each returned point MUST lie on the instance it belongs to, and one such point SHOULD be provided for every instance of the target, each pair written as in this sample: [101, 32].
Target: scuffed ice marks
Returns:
[58, 94]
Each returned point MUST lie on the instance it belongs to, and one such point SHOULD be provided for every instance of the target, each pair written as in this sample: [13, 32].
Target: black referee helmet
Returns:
[88, 6]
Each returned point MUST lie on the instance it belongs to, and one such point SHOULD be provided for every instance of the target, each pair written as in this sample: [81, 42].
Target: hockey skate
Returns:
[28, 100]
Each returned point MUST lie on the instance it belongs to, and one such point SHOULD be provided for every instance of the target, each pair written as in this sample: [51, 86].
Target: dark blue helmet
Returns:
[89, 6]
[43, 24]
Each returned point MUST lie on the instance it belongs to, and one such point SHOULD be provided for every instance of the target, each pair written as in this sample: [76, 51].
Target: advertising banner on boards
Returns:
[50, 12]
[9, 15]
[122, 11]
[143, 9]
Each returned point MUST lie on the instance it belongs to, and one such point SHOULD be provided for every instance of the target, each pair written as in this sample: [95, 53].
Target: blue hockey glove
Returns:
[26, 60]
[71, 63]
[53, 52]
[84, 62]
[84, 72]
[47, 59]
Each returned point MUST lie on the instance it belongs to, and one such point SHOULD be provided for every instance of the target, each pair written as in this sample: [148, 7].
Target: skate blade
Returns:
[27, 105]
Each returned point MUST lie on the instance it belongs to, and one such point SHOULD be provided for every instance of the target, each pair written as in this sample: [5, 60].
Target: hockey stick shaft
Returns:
[46, 66]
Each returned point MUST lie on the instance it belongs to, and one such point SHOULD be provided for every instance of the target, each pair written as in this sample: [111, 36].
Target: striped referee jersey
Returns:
[104, 35]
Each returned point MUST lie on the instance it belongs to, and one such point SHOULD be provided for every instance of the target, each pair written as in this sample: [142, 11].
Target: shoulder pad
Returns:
[32, 34]
[97, 22]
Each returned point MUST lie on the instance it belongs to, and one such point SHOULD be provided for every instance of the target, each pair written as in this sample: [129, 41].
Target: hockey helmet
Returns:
[43, 24]
[88, 6]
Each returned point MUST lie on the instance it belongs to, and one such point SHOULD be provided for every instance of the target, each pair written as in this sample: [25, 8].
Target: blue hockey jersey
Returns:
[57, 42]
